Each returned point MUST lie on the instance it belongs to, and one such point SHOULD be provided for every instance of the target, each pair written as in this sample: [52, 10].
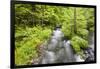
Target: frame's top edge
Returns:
[52, 3]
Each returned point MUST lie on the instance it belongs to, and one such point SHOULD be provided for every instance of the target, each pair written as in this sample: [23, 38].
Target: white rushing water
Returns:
[78, 58]
[68, 52]
[91, 40]
[49, 57]
[59, 51]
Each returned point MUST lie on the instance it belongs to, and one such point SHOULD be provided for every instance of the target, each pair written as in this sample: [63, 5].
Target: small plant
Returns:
[78, 43]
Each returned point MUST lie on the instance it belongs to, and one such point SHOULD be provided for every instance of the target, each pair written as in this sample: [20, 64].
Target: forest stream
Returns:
[59, 50]
[39, 39]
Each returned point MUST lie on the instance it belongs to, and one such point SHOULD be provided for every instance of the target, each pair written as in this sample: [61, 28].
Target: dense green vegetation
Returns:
[35, 23]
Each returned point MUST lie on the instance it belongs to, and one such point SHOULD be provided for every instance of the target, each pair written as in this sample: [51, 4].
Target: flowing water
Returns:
[59, 50]
[90, 49]
[91, 40]
[69, 54]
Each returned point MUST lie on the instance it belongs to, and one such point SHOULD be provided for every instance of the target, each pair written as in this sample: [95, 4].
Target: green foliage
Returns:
[66, 29]
[78, 43]
[26, 47]
[34, 24]
[83, 33]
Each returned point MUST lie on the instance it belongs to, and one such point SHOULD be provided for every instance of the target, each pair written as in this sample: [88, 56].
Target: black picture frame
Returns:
[12, 33]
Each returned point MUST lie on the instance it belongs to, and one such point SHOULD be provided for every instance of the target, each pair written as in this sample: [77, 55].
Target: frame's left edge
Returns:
[12, 61]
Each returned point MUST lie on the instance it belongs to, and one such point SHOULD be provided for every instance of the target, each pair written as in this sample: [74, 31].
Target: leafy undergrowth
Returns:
[26, 41]
[78, 44]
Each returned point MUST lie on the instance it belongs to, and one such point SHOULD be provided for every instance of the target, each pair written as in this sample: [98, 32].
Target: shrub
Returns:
[83, 33]
[78, 43]
[26, 47]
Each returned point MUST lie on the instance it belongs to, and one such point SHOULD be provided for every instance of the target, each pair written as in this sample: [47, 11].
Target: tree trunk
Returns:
[75, 28]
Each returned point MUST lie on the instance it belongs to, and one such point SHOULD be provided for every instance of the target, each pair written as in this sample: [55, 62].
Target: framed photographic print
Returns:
[52, 34]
